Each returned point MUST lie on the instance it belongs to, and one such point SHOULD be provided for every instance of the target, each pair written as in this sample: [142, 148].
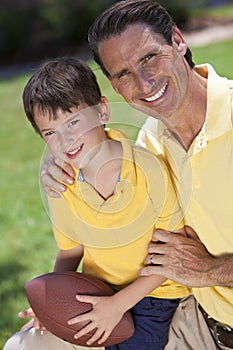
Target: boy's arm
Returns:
[68, 260]
[108, 311]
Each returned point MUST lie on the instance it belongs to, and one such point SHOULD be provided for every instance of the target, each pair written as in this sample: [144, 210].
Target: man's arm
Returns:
[54, 175]
[187, 261]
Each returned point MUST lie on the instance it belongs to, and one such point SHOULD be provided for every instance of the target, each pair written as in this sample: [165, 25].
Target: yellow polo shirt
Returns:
[204, 181]
[116, 232]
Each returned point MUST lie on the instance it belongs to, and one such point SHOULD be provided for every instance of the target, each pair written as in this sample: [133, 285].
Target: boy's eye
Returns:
[73, 122]
[48, 133]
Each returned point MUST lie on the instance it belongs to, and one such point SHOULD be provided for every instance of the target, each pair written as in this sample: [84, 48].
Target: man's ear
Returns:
[178, 41]
[104, 110]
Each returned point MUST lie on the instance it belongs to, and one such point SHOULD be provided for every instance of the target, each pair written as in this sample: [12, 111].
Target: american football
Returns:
[52, 297]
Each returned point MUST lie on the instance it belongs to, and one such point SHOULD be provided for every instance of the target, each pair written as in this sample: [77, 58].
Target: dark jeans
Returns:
[152, 318]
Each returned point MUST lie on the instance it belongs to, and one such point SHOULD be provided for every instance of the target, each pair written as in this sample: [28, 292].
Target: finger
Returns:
[26, 313]
[36, 323]
[58, 173]
[87, 329]
[161, 235]
[151, 259]
[154, 248]
[49, 183]
[52, 194]
[191, 233]
[86, 299]
[104, 337]
[151, 270]
[81, 318]
[95, 337]
[67, 168]
[181, 232]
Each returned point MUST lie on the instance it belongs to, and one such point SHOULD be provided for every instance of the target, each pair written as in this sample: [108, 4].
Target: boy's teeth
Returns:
[74, 151]
[157, 95]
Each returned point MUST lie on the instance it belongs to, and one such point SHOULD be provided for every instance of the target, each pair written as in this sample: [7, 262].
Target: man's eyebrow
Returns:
[153, 51]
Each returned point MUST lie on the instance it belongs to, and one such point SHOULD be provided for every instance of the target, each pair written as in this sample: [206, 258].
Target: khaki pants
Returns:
[32, 339]
[189, 331]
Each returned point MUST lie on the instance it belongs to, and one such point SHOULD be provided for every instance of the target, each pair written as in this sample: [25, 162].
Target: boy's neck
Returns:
[103, 171]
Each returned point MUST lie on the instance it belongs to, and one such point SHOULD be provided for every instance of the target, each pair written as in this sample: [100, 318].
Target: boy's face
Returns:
[73, 136]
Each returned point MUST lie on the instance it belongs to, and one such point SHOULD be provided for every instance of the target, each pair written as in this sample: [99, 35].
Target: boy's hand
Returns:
[53, 172]
[34, 322]
[104, 317]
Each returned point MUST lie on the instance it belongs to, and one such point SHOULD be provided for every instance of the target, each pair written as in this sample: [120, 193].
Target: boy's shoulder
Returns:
[146, 157]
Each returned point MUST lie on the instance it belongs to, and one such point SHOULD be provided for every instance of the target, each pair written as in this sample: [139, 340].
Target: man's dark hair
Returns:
[115, 20]
[60, 83]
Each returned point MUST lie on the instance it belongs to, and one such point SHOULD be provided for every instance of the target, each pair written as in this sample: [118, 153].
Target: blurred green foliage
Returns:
[38, 28]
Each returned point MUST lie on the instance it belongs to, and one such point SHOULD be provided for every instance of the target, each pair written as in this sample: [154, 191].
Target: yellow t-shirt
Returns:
[204, 181]
[116, 232]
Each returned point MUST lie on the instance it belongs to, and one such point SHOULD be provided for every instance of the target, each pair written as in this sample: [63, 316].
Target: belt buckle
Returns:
[218, 326]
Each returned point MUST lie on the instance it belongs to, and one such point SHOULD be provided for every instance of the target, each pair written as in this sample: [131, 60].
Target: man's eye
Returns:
[149, 57]
[123, 74]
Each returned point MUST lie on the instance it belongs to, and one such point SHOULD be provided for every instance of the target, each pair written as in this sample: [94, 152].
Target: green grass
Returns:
[215, 11]
[27, 244]
[219, 55]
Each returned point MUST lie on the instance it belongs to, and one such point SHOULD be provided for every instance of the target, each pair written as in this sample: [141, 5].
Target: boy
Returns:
[121, 194]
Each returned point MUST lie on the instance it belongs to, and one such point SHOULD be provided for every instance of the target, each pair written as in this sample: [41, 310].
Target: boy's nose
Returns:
[66, 140]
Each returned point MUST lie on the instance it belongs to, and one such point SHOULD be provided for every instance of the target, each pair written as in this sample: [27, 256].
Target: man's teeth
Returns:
[157, 95]
[74, 151]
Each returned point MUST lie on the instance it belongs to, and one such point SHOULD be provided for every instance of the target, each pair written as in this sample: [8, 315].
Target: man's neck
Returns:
[186, 123]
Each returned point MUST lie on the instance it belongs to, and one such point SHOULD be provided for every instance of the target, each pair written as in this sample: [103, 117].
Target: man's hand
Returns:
[103, 318]
[53, 172]
[183, 259]
[34, 322]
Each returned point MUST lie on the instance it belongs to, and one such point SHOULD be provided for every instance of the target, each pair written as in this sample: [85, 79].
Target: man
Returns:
[147, 61]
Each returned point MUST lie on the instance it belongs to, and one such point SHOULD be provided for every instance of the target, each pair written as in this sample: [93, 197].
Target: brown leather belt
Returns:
[223, 334]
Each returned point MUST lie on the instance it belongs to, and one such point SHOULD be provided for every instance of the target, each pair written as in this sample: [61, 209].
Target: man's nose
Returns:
[145, 81]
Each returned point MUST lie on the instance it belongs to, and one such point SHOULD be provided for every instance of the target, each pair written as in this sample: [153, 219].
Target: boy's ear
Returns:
[178, 41]
[104, 110]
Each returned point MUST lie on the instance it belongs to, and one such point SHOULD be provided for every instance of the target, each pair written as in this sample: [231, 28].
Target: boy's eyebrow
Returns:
[43, 130]
[66, 121]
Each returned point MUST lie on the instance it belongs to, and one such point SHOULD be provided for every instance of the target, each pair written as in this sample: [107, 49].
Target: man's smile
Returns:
[157, 95]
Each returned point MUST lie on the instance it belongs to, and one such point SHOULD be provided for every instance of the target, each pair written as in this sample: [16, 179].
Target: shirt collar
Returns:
[219, 106]
[219, 109]
[128, 166]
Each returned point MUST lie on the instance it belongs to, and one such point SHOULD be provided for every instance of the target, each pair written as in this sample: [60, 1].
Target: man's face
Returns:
[150, 74]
